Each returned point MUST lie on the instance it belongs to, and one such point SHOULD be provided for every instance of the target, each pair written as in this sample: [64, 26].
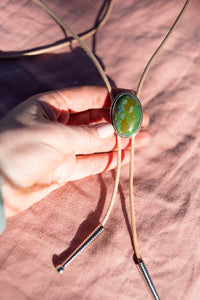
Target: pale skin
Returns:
[56, 137]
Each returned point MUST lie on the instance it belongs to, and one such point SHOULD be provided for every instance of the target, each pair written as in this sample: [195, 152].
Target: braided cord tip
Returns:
[147, 278]
[78, 250]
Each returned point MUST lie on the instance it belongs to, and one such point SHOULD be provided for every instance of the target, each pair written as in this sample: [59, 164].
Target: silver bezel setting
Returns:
[113, 107]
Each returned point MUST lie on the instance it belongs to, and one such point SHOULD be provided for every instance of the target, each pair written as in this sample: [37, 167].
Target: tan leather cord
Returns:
[131, 172]
[105, 219]
[141, 264]
[131, 197]
[81, 43]
[107, 83]
[155, 54]
[105, 79]
[60, 44]
[79, 39]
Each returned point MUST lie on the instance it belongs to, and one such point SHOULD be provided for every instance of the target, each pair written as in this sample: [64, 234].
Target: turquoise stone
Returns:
[126, 115]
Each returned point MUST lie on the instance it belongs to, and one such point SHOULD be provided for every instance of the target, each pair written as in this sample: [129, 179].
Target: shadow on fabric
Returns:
[85, 228]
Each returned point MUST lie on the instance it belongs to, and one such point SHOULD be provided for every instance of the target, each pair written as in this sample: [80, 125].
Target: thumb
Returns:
[87, 139]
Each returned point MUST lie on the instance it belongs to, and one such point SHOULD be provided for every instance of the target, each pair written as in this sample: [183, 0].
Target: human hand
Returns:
[56, 137]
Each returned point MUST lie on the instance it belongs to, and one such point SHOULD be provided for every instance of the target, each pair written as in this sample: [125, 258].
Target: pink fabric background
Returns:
[167, 184]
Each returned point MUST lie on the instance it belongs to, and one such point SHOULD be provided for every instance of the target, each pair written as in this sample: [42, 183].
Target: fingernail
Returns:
[105, 130]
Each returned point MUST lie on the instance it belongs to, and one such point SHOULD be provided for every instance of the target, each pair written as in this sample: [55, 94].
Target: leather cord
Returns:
[79, 39]
[60, 44]
[138, 93]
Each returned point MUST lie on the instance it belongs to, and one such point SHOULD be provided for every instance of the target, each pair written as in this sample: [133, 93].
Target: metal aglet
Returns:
[147, 279]
[78, 250]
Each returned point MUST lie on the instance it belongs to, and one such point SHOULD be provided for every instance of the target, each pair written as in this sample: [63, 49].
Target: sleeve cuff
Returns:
[2, 216]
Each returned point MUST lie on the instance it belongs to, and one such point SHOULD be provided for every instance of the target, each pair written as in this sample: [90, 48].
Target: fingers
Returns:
[143, 138]
[87, 165]
[94, 116]
[84, 166]
[86, 139]
[86, 105]
[91, 116]
[94, 139]
[146, 120]
[97, 163]
[79, 99]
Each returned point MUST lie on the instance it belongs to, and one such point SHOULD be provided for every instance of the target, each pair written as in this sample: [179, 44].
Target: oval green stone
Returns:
[126, 114]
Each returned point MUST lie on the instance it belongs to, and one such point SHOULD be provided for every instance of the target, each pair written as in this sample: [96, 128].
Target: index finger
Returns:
[77, 99]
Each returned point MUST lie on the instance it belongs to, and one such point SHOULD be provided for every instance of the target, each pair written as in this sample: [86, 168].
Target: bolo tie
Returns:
[126, 117]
